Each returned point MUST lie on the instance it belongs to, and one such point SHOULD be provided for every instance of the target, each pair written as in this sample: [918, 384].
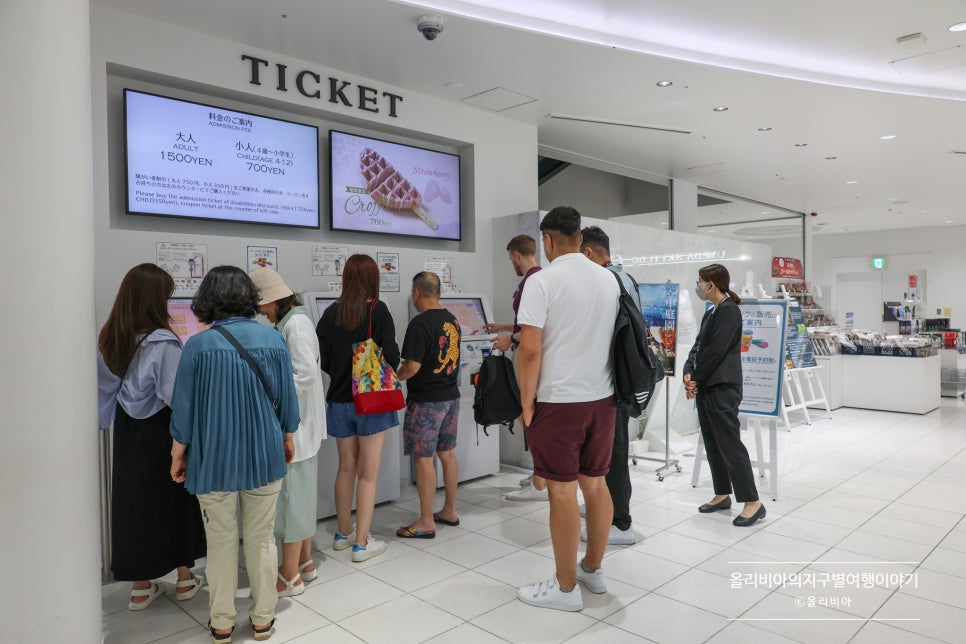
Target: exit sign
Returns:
[878, 263]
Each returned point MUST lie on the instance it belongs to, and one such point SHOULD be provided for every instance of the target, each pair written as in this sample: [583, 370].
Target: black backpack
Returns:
[497, 397]
[636, 368]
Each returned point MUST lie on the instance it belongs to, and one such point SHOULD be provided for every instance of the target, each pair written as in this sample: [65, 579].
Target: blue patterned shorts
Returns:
[430, 427]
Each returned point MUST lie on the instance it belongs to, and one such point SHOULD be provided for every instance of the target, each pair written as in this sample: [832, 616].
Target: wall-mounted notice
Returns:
[660, 304]
[186, 159]
[328, 260]
[388, 264]
[762, 356]
[335, 287]
[442, 266]
[798, 344]
[262, 257]
[186, 263]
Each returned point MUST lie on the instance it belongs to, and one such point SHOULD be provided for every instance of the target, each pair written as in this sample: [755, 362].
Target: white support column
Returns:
[48, 411]
[684, 206]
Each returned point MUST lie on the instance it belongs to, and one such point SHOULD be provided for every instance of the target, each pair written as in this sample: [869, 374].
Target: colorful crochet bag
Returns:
[375, 387]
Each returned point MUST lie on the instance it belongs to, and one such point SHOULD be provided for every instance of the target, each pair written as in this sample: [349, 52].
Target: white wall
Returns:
[499, 157]
[48, 414]
[938, 251]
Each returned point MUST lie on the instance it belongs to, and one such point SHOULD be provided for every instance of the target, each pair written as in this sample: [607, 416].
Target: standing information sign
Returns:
[798, 344]
[660, 308]
[762, 356]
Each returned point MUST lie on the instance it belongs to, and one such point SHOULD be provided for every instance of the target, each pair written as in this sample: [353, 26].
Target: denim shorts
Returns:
[342, 421]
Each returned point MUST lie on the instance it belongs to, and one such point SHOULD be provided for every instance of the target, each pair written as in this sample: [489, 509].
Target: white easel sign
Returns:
[762, 356]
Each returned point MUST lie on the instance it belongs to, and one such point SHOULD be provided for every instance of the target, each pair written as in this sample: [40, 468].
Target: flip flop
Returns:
[439, 519]
[408, 533]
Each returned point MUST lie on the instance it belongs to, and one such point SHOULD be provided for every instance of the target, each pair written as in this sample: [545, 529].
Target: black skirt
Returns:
[156, 525]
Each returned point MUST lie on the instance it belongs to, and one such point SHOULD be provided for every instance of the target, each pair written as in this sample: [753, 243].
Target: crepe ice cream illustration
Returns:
[388, 187]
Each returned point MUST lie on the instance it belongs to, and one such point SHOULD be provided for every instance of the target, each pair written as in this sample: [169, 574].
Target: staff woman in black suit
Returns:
[712, 375]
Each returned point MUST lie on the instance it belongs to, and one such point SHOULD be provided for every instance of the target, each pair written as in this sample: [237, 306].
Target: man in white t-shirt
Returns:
[567, 315]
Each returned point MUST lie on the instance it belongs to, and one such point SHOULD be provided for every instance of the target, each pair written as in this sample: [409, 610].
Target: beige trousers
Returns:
[219, 511]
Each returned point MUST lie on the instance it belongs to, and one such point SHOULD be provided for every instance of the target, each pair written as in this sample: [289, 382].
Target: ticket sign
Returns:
[763, 331]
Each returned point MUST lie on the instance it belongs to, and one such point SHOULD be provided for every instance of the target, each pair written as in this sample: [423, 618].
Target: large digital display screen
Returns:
[389, 188]
[187, 159]
[469, 312]
[183, 321]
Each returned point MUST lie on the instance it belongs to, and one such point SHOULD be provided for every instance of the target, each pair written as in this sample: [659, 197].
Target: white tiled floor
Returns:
[857, 495]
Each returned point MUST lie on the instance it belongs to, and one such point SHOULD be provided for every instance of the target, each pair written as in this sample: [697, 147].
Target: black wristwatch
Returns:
[514, 342]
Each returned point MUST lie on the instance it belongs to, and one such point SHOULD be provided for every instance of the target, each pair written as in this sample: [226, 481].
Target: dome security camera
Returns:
[430, 26]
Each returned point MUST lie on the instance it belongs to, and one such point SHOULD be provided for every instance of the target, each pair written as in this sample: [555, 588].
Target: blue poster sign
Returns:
[660, 308]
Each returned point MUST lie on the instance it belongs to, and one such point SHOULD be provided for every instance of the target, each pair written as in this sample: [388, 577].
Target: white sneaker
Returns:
[342, 541]
[528, 494]
[583, 511]
[547, 594]
[617, 537]
[368, 551]
[595, 581]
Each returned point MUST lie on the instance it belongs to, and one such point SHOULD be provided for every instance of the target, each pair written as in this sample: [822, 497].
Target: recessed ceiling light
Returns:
[893, 198]
[766, 212]
[959, 26]
[664, 223]
[720, 108]
[454, 85]
[710, 231]
[950, 221]
[831, 158]
[887, 137]
[664, 83]
[801, 145]
[923, 211]
[764, 129]
[852, 181]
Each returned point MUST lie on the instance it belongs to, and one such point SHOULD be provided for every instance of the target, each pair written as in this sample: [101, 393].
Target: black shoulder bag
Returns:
[254, 365]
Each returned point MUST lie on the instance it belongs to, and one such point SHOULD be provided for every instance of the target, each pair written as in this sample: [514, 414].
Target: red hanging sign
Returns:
[787, 267]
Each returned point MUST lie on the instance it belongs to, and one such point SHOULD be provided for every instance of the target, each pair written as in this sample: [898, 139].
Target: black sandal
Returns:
[263, 633]
[217, 638]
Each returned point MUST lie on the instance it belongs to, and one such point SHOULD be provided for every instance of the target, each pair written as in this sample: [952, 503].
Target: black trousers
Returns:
[721, 430]
[618, 479]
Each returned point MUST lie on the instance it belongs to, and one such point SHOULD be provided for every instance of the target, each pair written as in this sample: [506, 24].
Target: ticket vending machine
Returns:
[477, 451]
[388, 488]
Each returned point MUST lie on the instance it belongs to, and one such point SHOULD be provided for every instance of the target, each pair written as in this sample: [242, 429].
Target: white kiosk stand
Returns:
[477, 451]
[389, 475]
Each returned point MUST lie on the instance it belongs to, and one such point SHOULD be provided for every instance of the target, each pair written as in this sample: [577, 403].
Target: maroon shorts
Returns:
[567, 439]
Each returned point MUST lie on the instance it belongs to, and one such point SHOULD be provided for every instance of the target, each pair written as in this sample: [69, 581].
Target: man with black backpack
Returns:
[567, 316]
[596, 246]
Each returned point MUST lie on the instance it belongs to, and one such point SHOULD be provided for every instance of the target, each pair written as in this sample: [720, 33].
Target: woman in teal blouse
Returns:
[231, 446]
